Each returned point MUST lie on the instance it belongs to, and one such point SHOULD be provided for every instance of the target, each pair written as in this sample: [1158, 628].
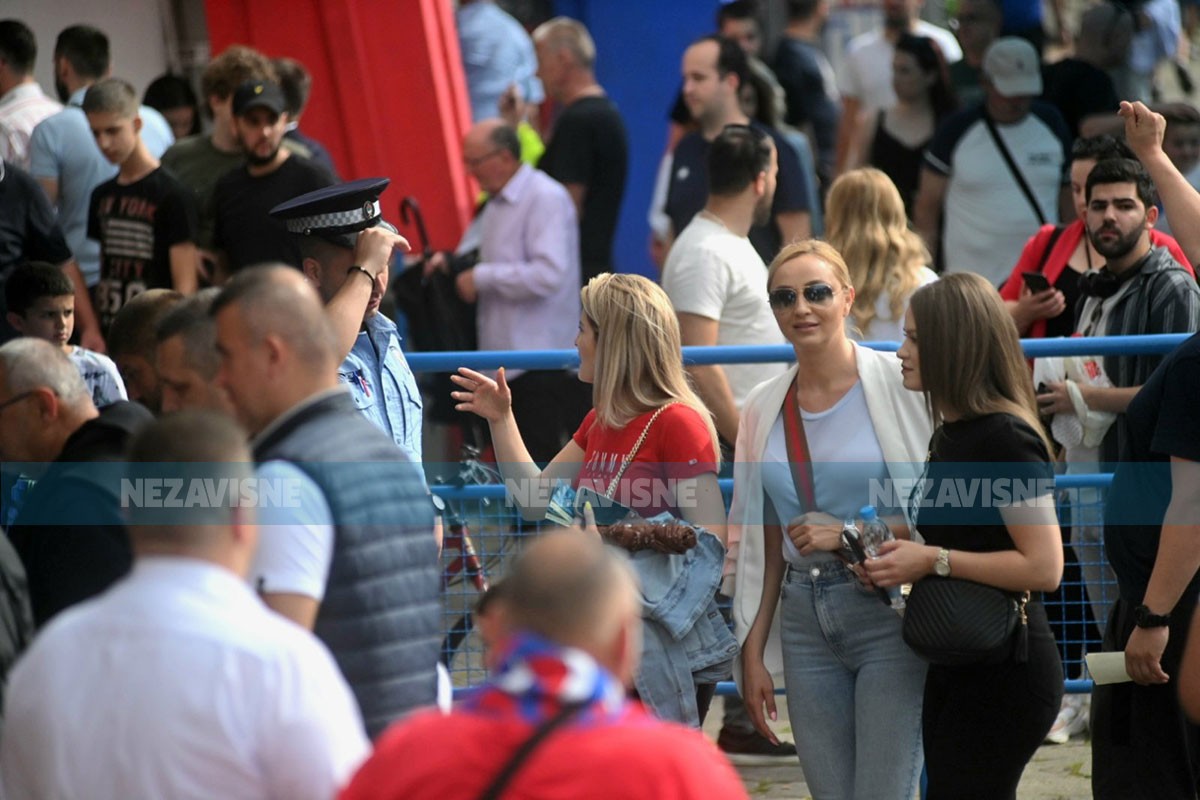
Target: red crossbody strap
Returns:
[797, 450]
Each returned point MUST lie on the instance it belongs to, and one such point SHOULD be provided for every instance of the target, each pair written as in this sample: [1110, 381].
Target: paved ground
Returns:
[1057, 772]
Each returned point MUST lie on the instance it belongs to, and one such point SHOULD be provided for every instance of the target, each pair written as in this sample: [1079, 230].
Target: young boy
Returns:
[144, 219]
[41, 304]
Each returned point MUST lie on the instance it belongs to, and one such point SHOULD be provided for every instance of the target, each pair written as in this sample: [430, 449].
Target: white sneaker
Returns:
[1072, 719]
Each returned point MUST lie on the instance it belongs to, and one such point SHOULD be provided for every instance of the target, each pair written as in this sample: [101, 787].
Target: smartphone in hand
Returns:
[1036, 281]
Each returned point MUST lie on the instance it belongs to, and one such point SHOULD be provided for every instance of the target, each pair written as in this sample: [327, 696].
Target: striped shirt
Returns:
[1162, 298]
[21, 109]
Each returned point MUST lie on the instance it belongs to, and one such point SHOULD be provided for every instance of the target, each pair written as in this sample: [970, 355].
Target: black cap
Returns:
[258, 94]
[336, 213]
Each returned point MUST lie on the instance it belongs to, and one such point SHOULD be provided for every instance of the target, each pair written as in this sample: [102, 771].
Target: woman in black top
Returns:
[987, 515]
[923, 99]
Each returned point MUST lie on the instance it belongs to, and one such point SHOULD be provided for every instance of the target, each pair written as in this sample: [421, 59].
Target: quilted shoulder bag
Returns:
[954, 622]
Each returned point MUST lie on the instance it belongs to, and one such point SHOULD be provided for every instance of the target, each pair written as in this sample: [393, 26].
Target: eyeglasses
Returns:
[475, 162]
[815, 294]
[16, 399]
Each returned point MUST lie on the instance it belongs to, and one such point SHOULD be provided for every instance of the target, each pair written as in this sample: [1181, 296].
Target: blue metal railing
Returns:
[565, 359]
[760, 354]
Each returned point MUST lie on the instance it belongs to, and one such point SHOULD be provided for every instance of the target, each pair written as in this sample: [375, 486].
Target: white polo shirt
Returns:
[177, 682]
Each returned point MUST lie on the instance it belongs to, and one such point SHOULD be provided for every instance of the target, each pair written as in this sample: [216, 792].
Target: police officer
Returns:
[346, 246]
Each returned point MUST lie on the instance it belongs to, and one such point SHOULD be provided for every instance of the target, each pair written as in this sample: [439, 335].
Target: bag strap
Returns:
[799, 458]
[625, 462]
[509, 770]
[1054, 235]
[1014, 169]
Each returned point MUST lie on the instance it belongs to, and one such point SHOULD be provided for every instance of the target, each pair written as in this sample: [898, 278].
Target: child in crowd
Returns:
[41, 304]
[144, 219]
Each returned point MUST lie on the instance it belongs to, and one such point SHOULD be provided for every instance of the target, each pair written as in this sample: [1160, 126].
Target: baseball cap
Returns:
[258, 94]
[1013, 67]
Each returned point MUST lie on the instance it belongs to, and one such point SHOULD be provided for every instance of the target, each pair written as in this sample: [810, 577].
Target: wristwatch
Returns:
[941, 567]
[1143, 617]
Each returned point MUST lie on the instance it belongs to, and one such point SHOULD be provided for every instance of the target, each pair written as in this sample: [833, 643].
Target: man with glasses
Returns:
[526, 283]
[69, 531]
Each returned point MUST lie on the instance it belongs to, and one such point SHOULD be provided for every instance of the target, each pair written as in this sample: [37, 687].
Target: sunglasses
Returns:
[815, 294]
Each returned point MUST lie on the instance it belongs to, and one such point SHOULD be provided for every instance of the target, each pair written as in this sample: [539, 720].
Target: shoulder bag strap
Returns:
[799, 458]
[1054, 234]
[518, 759]
[1014, 169]
[625, 462]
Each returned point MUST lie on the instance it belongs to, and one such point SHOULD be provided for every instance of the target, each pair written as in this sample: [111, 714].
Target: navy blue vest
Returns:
[381, 616]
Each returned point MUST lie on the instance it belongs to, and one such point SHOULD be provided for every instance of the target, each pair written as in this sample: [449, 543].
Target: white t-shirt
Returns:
[867, 73]
[883, 328]
[712, 273]
[295, 544]
[101, 375]
[988, 219]
[177, 682]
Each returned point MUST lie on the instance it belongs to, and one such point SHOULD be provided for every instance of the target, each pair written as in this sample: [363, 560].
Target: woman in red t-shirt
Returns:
[629, 350]
[649, 443]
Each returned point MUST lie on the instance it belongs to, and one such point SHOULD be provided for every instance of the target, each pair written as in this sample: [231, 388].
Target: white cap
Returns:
[1013, 67]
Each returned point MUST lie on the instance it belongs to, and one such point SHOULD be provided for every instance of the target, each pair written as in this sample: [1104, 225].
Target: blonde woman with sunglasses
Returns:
[853, 687]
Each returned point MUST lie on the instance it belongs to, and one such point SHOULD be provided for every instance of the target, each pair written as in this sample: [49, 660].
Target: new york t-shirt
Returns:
[137, 224]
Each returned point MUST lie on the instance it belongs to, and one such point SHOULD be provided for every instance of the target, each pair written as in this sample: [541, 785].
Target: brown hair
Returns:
[236, 65]
[970, 353]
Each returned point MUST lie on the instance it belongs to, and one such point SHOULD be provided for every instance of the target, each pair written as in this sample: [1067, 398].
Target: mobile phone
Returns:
[1036, 281]
[606, 510]
[850, 540]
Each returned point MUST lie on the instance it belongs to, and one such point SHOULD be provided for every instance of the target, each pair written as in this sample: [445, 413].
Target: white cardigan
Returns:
[903, 428]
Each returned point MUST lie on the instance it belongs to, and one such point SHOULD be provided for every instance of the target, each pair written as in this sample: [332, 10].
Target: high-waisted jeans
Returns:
[854, 688]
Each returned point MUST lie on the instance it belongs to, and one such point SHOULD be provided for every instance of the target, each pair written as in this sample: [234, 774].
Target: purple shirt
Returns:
[528, 273]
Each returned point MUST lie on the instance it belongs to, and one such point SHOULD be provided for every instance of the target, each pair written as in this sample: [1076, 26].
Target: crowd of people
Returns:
[220, 549]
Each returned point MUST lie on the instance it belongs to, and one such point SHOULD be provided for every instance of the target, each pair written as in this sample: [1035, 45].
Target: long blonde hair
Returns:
[865, 221]
[639, 364]
[970, 354]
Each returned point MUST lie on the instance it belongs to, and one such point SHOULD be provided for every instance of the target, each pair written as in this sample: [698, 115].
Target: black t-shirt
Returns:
[1077, 90]
[808, 82]
[687, 191]
[977, 467]
[137, 225]
[589, 146]
[1163, 420]
[244, 228]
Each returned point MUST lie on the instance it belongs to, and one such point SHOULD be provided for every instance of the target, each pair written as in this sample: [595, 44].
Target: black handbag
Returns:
[954, 622]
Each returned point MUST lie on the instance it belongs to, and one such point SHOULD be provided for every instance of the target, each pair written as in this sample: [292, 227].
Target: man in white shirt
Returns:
[991, 204]
[716, 280]
[177, 682]
[23, 104]
[865, 79]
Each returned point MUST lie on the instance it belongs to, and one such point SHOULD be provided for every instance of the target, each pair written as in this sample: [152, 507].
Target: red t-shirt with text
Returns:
[677, 447]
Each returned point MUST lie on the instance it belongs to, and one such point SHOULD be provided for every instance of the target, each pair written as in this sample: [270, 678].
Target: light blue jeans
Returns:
[854, 689]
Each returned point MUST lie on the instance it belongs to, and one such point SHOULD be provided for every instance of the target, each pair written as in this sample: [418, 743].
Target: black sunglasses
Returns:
[815, 294]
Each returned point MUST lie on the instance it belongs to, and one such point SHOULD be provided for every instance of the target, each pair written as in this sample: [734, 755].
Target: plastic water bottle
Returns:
[874, 533]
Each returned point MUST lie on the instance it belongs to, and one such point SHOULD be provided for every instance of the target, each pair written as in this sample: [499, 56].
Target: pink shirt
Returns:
[21, 109]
